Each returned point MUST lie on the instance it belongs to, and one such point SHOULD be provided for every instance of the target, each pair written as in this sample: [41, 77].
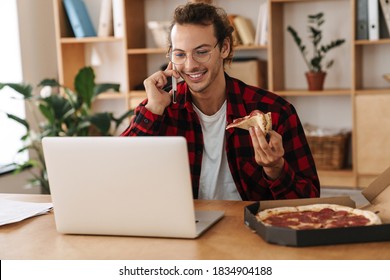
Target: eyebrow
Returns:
[198, 47]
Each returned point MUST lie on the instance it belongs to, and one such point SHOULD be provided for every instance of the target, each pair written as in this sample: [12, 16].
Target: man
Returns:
[225, 164]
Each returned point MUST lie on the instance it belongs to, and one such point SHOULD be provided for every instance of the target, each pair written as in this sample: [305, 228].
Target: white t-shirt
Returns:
[216, 181]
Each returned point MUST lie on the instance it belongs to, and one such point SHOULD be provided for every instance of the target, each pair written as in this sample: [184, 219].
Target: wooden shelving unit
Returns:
[369, 104]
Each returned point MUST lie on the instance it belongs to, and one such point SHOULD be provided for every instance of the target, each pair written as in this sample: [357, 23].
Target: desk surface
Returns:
[37, 238]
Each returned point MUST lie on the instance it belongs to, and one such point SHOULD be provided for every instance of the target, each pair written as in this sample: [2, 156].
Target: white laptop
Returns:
[133, 186]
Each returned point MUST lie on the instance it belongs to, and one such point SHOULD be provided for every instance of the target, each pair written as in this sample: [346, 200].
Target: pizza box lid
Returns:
[378, 195]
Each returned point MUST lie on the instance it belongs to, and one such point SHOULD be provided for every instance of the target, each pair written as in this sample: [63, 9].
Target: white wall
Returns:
[38, 55]
[37, 40]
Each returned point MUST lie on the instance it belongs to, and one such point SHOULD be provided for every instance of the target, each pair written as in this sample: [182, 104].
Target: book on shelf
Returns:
[79, 18]
[362, 20]
[385, 17]
[373, 19]
[105, 27]
[245, 29]
[261, 36]
[264, 24]
[118, 17]
[236, 36]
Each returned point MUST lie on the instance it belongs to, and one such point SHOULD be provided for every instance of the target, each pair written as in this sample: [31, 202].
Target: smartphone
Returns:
[174, 89]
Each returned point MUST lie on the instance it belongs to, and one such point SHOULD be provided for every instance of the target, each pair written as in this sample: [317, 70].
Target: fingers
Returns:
[160, 79]
[266, 153]
[258, 140]
[171, 71]
[275, 141]
[158, 97]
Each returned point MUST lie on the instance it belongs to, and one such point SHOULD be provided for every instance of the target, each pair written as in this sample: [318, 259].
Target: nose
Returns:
[190, 62]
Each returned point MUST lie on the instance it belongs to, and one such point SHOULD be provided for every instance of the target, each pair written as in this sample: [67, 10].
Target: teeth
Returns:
[195, 76]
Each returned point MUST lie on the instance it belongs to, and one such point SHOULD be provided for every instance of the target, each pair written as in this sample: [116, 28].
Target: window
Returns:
[10, 102]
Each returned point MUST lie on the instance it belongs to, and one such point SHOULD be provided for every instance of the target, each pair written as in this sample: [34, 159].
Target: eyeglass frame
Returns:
[169, 55]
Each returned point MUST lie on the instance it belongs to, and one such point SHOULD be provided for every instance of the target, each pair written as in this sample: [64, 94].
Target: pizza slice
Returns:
[255, 118]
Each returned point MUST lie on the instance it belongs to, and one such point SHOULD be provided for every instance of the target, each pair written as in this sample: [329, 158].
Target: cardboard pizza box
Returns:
[377, 194]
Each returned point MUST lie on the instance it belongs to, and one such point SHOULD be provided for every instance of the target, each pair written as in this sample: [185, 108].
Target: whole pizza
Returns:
[317, 216]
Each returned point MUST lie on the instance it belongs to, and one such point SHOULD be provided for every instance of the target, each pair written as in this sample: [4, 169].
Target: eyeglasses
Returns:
[201, 55]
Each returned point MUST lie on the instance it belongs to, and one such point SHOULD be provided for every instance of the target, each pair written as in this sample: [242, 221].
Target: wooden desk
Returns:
[37, 238]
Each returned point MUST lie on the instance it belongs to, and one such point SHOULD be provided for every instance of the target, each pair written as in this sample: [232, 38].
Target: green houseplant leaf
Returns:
[84, 85]
[100, 88]
[24, 90]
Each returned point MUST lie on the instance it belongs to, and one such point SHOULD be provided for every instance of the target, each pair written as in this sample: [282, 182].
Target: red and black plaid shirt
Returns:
[299, 177]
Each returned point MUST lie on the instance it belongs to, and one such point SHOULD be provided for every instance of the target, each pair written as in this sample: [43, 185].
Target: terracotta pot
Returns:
[315, 80]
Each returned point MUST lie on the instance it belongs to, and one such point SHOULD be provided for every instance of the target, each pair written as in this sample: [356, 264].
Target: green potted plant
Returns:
[316, 64]
[59, 111]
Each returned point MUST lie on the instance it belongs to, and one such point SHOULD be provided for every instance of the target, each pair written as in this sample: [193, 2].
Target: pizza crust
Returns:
[374, 218]
[263, 215]
[320, 206]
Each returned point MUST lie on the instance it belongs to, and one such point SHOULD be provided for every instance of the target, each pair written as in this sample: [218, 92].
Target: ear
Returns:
[225, 48]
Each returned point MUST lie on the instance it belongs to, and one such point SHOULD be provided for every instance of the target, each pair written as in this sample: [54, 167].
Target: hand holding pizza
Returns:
[268, 154]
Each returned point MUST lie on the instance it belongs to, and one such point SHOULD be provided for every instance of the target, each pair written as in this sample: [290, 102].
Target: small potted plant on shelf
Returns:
[59, 112]
[316, 74]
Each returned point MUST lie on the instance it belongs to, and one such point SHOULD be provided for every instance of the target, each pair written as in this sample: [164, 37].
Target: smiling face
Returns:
[201, 77]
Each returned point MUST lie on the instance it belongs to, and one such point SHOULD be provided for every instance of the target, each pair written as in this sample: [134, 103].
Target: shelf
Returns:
[72, 40]
[163, 50]
[372, 42]
[305, 92]
[251, 47]
[147, 51]
[111, 95]
[137, 93]
[373, 91]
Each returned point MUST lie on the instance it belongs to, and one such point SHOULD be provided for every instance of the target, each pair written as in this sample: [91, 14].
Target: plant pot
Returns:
[315, 80]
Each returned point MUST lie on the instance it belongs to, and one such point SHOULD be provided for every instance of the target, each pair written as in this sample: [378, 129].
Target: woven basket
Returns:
[329, 152]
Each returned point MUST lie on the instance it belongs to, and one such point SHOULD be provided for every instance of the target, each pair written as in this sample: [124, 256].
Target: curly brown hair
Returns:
[205, 14]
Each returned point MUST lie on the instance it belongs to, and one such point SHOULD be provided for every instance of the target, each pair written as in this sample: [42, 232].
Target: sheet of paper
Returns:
[12, 211]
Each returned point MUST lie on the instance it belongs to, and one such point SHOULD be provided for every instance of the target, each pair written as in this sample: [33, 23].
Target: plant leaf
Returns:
[60, 106]
[332, 45]
[49, 82]
[84, 84]
[19, 120]
[100, 88]
[72, 98]
[23, 89]
[102, 121]
[329, 64]
[47, 112]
